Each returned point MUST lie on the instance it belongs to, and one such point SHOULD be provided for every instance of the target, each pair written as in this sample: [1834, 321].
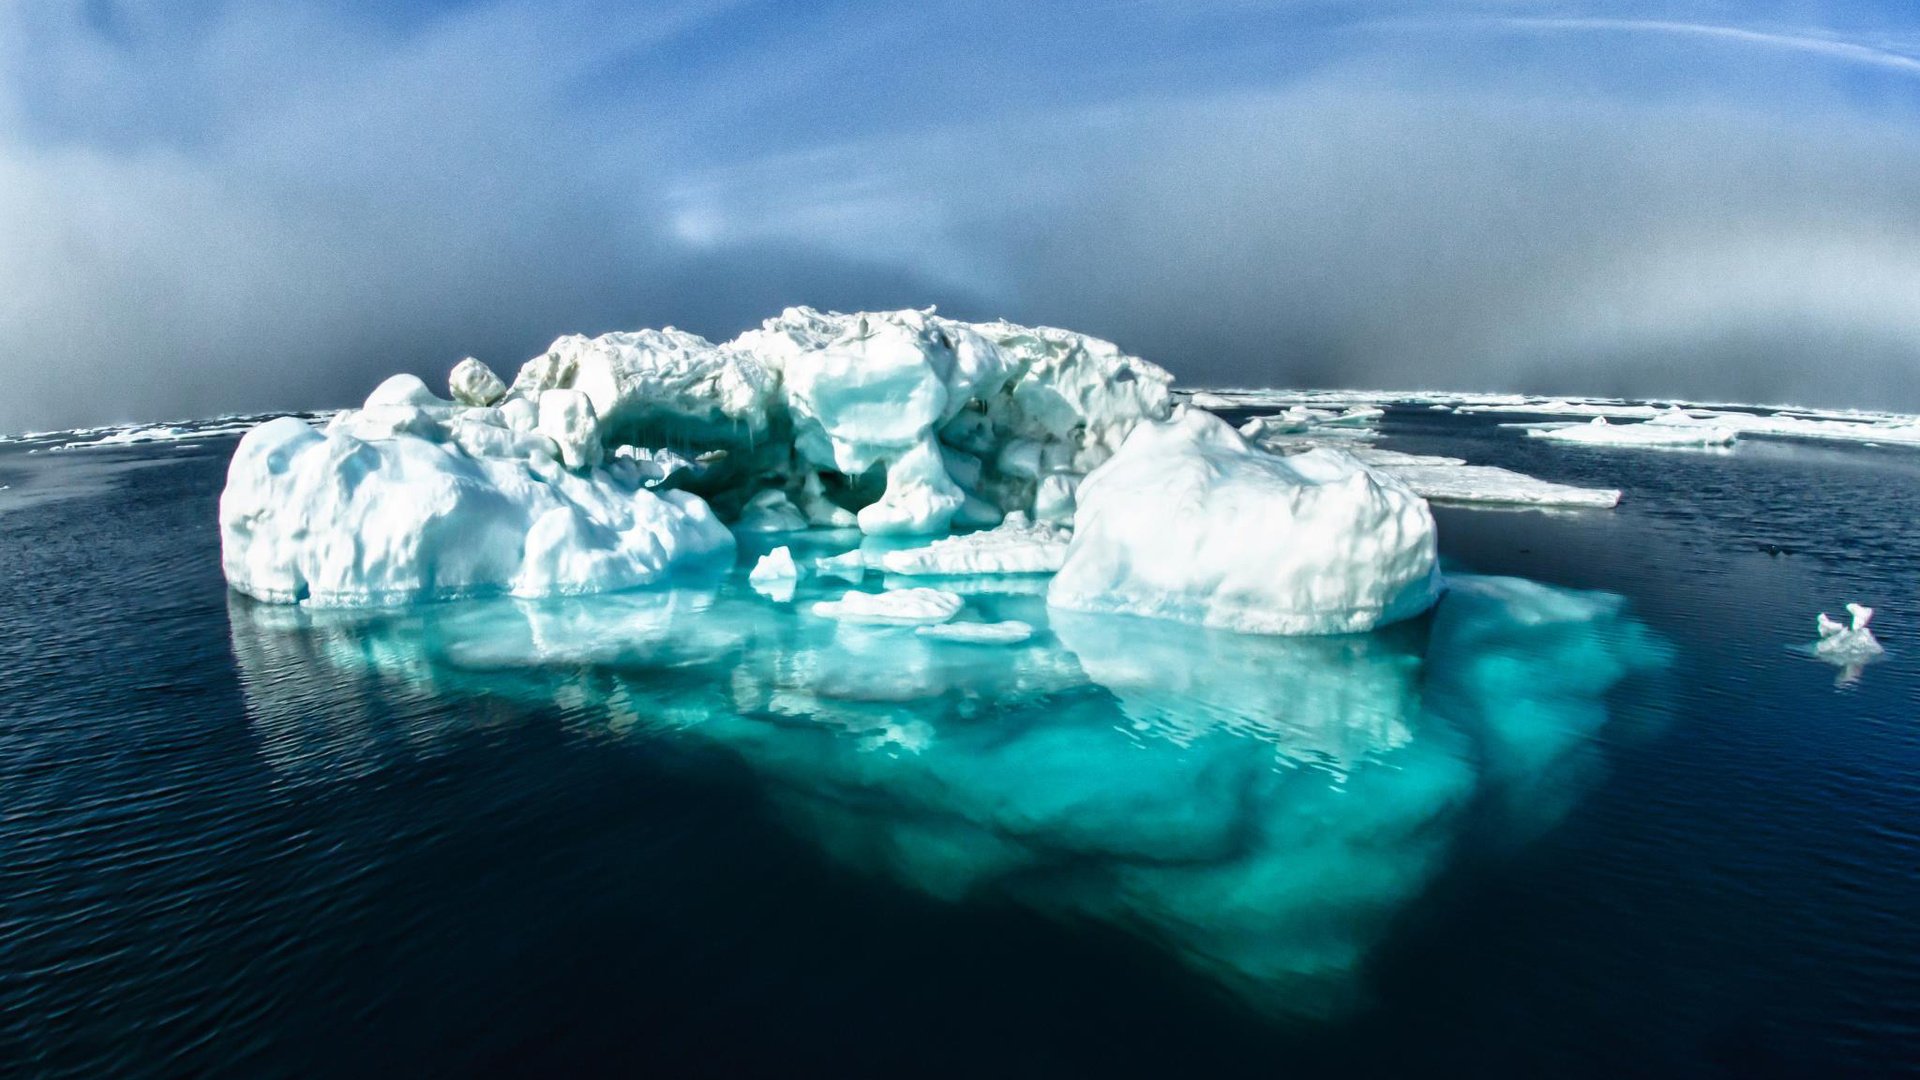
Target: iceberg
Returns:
[901, 423]
[1190, 521]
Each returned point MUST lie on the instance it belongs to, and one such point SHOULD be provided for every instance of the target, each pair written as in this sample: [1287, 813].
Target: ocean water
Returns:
[1599, 813]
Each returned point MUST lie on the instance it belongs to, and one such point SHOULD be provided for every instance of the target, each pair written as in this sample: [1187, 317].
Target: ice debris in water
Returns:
[1190, 521]
[1263, 808]
[609, 460]
[1847, 642]
[776, 575]
[894, 607]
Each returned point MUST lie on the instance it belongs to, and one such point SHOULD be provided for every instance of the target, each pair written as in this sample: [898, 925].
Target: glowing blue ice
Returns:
[1260, 807]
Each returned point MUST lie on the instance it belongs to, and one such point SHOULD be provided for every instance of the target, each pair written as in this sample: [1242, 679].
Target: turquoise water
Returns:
[1591, 814]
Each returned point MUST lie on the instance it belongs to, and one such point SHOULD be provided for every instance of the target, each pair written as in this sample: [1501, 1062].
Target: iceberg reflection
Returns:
[1260, 807]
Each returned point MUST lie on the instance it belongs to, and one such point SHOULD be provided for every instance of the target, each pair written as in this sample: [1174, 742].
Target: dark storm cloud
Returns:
[249, 207]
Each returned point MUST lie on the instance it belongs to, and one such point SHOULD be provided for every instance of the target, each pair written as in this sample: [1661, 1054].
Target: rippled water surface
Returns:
[1594, 815]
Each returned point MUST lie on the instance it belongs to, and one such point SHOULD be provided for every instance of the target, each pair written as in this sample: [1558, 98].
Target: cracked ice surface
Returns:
[1261, 808]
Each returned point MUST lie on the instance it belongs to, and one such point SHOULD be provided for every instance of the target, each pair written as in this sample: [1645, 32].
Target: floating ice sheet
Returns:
[1491, 485]
[1663, 431]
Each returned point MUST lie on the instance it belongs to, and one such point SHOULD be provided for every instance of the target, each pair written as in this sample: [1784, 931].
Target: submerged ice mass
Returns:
[1264, 809]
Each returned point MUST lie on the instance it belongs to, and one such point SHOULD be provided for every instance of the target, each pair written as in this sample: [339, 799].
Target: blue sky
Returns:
[210, 206]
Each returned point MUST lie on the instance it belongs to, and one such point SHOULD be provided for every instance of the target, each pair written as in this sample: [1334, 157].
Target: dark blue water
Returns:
[674, 834]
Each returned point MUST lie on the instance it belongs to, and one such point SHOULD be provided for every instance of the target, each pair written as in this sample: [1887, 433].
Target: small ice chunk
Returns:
[895, 607]
[1015, 546]
[847, 566]
[1847, 643]
[775, 575]
[474, 383]
[1009, 632]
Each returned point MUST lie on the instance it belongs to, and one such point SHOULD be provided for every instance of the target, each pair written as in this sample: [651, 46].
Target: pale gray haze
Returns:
[211, 207]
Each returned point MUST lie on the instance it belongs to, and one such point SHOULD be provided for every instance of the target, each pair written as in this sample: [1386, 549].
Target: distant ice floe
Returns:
[1441, 479]
[1662, 431]
[1264, 809]
[1763, 421]
[179, 431]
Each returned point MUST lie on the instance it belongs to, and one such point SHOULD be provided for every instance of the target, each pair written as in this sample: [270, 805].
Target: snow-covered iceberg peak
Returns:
[1191, 522]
